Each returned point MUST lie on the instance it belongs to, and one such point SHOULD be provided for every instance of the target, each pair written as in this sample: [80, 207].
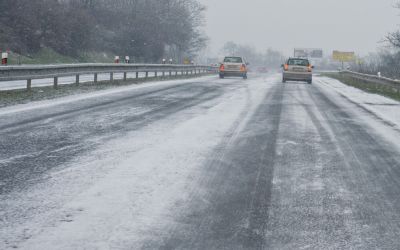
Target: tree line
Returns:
[386, 61]
[269, 58]
[146, 30]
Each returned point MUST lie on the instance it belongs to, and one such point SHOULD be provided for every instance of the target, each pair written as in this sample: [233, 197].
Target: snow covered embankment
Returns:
[382, 114]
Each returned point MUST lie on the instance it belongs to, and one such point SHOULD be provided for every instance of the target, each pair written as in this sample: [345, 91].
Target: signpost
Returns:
[343, 57]
[308, 53]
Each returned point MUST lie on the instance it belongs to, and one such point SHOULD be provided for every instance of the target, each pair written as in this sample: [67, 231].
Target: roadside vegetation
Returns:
[49, 56]
[80, 30]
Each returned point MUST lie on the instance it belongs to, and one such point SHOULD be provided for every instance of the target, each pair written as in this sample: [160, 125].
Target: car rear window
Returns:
[233, 60]
[299, 62]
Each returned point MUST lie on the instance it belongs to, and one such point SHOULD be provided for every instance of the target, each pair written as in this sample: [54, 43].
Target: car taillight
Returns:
[286, 67]
[243, 67]
[310, 68]
[222, 67]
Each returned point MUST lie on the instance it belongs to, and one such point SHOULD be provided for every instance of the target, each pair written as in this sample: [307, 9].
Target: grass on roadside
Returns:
[49, 56]
[22, 96]
[375, 88]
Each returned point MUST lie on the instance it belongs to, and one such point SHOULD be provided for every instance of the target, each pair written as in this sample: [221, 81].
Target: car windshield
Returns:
[298, 62]
[233, 60]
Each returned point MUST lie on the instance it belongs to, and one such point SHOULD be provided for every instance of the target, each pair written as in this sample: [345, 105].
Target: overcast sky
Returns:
[349, 25]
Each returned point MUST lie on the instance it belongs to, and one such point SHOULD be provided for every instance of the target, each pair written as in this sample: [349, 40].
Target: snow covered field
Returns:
[202, 164]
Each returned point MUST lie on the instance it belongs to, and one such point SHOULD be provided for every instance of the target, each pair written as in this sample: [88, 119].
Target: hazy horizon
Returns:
[284, 25]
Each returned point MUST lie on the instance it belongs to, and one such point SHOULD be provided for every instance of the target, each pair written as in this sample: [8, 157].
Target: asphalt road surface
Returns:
[201, 164]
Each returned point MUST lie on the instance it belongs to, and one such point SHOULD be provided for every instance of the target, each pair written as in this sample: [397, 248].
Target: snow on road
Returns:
[127, 186]
[385, 108]
[316, 166]
[94, 95]
[381, 114]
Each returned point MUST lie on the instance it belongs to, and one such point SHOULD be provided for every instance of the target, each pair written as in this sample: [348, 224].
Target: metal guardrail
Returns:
[14, 73]
[380, 80]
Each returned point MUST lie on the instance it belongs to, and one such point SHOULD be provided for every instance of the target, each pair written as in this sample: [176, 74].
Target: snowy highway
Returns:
[203, 163]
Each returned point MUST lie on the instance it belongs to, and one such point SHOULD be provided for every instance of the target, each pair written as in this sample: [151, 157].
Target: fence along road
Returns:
[28, 73]
[374, 79]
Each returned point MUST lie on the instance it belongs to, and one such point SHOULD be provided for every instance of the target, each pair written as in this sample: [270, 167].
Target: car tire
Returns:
[221, 76]
[245, 77]
[309, 82]
[283, 80]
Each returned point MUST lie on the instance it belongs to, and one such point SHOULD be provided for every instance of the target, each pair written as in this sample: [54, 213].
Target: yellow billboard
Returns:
[344, 56]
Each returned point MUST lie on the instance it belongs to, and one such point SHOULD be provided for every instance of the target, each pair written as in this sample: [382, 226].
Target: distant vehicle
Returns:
[233, 66]
[297, 69]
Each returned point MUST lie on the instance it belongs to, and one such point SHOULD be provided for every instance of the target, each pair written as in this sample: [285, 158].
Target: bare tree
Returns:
[394, 37]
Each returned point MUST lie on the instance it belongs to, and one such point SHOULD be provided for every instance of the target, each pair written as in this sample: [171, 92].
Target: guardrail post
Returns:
[29, 84]
[72, 70]
[155, 74]
[55, 84]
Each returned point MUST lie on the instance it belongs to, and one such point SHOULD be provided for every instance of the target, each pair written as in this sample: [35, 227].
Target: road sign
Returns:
[308, 53]
[343, 56]
[4, 58]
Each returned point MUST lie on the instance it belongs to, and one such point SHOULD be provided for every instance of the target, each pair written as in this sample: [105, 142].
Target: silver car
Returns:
[297, 69]
[233, 66]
